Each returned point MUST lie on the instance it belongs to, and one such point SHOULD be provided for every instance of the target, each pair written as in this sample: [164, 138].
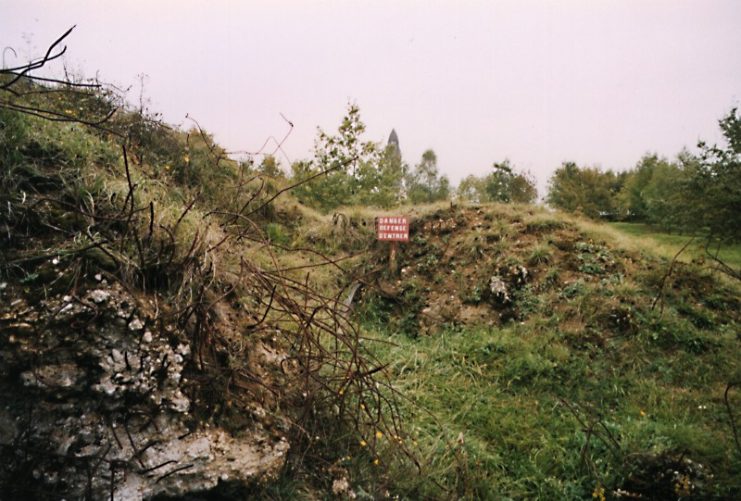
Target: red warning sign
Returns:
[392, 228]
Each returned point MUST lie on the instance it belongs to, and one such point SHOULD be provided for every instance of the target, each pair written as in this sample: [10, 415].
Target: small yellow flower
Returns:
[599, 493]
[643, 413]
[683, 486]
[341, 392]
[363, 443]
[376, 461]
[379, 434]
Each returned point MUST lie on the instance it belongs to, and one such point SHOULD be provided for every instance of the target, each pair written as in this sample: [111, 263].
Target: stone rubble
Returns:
[89, 387]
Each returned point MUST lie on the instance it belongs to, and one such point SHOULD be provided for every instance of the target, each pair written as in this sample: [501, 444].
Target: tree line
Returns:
[348, 170]
[692, 193]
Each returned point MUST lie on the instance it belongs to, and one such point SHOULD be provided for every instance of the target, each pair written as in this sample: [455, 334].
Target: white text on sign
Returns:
[392, 228]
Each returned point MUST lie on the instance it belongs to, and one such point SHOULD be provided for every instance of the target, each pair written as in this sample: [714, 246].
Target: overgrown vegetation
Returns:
[517, 354]
[695, 195]
[597, 371]
[504, 184]
[203, 242]
[348, 171]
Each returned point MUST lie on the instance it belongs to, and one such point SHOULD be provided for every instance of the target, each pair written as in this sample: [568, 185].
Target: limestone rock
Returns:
[88, 393]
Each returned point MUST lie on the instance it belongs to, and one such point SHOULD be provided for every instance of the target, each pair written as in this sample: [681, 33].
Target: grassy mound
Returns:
[542, 358]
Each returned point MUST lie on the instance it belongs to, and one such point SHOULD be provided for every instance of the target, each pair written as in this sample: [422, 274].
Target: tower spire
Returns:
[394, 141]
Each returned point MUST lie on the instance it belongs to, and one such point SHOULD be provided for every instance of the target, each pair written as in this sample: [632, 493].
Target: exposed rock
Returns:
[99, 296]
[341, 488]
[136, 325]
[53, 376]
[440, 226]
[92, 402]
[499, 290]
[518, 275]
[501, 286]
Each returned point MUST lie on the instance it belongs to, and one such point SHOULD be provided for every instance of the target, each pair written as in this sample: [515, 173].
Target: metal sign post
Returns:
[392, 229]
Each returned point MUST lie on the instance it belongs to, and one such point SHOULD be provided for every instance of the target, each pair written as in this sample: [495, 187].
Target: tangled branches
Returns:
[20, 92]
[329, 375]
[178, 239]
[172, 219]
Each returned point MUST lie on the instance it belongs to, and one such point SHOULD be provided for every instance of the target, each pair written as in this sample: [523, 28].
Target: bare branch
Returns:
[44, 85]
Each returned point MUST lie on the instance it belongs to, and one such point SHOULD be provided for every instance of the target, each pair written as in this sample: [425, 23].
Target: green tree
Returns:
[340, 164]
[472, 189]
[347, 170]
[697, 194]
[586, 190]
[383, 186]
[522, 189]
[506, 185]
[662, 197]
[270, 167]
[713, 184]
[632, 197]
[424, 184]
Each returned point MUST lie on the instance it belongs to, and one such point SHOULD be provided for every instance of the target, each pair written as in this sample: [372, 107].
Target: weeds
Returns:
[174, 224]
[540, 254]
[588, 392]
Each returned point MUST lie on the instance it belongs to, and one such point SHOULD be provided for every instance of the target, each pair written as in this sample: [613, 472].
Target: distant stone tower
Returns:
[394, 141]
[394, 166]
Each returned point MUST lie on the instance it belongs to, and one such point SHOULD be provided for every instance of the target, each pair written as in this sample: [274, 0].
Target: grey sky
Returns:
[538, 82]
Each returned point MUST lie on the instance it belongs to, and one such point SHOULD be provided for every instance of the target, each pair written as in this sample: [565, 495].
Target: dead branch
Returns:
[722, 265]
[731, 419]
[668, 273]
[18, 82]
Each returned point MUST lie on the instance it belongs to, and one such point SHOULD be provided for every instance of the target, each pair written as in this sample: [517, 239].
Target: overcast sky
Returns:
[539, 82]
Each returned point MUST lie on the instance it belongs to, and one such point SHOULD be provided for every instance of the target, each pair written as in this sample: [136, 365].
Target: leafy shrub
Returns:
[573, 290]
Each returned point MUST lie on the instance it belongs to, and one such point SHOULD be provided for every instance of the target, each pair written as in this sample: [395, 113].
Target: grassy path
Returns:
[730, 254]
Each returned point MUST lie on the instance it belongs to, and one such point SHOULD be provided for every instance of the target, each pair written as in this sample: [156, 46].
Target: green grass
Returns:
[504, 411]
[486, 417]
[490, 412]
[730, 253]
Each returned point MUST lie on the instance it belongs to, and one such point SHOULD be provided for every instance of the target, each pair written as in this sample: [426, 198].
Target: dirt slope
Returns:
[495, 264]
